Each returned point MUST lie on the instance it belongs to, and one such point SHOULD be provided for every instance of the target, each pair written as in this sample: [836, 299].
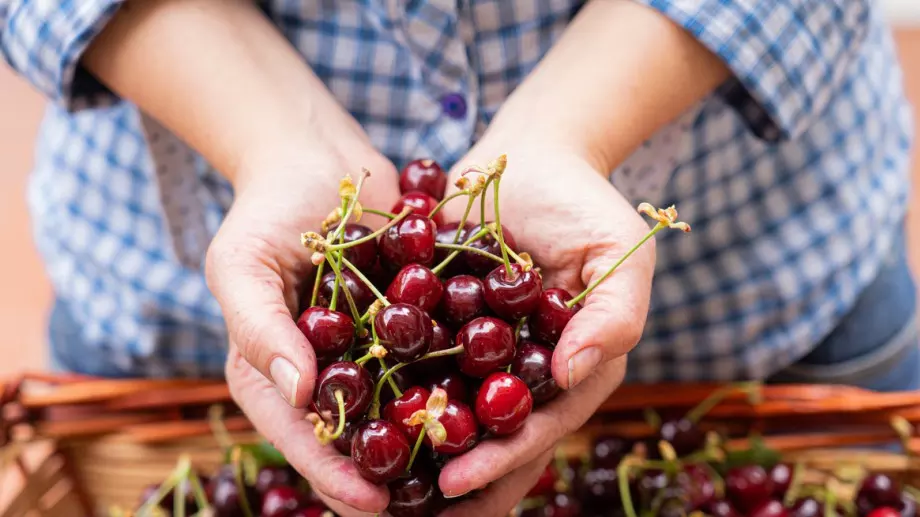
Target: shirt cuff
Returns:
[788, 57]
[45, 41]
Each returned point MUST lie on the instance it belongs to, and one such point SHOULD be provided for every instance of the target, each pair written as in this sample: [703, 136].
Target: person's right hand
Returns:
[257, 268]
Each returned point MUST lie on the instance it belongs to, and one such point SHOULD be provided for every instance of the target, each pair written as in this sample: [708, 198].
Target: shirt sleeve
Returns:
[788, 57]
[44, 40]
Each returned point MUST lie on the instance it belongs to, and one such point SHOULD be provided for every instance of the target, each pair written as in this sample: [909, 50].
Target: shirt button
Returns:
[454, 105]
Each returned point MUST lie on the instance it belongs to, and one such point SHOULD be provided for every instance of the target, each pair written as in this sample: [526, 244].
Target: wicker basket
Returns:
[104, 441]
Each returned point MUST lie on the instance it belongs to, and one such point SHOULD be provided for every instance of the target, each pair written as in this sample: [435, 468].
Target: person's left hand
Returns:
[575, 225]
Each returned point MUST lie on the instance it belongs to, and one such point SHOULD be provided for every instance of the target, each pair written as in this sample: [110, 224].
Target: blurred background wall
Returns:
[24, 292]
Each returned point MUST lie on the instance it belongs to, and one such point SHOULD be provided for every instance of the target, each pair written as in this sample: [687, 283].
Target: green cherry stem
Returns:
[482, 201]
[351, 207]
[316, 283]
[453, 254]
[498, 226]
[350, 244]
[517, 258]
[352, 306]
[581, 296]
[717, 396]
[236, 462]
[179, 502]
[444, 201]
[340, 428]
[381, 213]
[375, 405]
[471, 249]
[625, 496]
[165, 488]
[391, 381]
[415, 449]
[466, 215]
[368, 283]
[201, 497]
[518, 328]
[364, 358]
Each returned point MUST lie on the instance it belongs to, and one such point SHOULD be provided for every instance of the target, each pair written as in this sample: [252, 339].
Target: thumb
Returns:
[613, 317]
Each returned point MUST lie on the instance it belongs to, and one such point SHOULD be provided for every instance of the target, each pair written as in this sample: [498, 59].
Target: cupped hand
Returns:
[575, 225]
[257, 268]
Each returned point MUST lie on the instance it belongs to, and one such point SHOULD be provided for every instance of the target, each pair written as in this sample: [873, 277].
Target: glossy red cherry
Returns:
[781, 476]
[343, 442]
[533, 365]
[225, 495]
[423, 175]
[608, 450]
[563, 505]
[515, 296]
[363, 255]
[360, 293]
[421, 204]
[748, 487]
[399, 410]
[503, 403]
[772, 508]
[885, 511]
[684, 435]
[722, 508]
[551, 315]
[480, 264]
[463, 300]
[453, 383]
[412, 495]
[281, 501]
[545, 485]
[380, 451]
[880, 490]
[462, 429]
[488, 345]
[441, 339]
[270, 477]
[410, 241]
[697, 486]
[313, 511]
[404, 330]
[416, 285]
[331, 333]
[355, 383]
[445, 235]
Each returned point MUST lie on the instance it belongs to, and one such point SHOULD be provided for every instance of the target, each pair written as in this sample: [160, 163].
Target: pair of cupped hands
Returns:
[561, 209]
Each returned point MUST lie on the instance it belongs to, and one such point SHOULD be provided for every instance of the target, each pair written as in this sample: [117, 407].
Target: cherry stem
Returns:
[714, 398]
[179, 500]
[625, 496]
[364, 358]
[444, 201]
[351, 208]
[340, 400]
[471, 249]
[201, 498]
[581, 296]
[391, 381]
[236, 461]
[316, 283]
[340, 284]
[381, 213]
[171, 483]
[518, 328]
[453, 254]
[795, 484]
[509, 274]
[415, 449]
[218, 429]
[367, 282]
[374, 412]
[482, 201]
[517, 258]
[466, 215]
[393, 222]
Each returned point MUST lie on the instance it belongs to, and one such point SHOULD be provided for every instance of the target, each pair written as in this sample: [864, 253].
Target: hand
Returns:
[575, 225]
[257, 268]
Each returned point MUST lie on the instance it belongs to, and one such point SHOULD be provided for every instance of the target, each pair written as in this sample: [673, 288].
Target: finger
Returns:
[494, 458]
[505, 494]
[328, 472]
[250, 291]
[613, 317]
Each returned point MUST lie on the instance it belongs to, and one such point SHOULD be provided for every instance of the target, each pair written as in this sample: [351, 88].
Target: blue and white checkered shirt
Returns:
[794, 174]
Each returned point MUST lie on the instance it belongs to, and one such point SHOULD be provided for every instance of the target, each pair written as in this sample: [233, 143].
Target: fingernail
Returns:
[456, 495]
[286, 378]
[582, 364]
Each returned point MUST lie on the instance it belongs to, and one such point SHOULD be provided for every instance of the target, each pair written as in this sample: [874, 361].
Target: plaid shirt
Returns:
[794, 174]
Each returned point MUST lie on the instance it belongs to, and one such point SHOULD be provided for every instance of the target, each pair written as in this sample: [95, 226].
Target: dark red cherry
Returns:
[512, 296]
[363, 255]
[551, 315]
[421, 204]
[191, 504]
[360, 293]
[722, 508]
[453, 383]
[445, 235]
[462, 429]
[672, 502]
[412, 495]
[343, 442]
[355, 383]
[416, 285]
[225, 495]
[270, 477]
[404, 330]
[380, 451]
[331, 333]
[607, 450]
[748, 487]
[600, 487]
[781, 476]
[563, 505]
[441, 339]
[885, 511]
[684, 435]
[488, 345]
[410, 241]
[533, 365]
[697, 486]
[807, 507]
[463, 300]
[772, 508]
[503, 403]
[480, 264]
[545, 485]
[281, 501]
[423, 176]
[880, 490]
[399, 410]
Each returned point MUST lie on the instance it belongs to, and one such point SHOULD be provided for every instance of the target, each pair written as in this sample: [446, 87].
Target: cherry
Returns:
[524, 333]
[270, 477]
[482, 265]
[343, 442]
[806, 507]
[600, 487]
[410, 241]
[360, 293]
[908, 505]
[441, 339]
[648, 484]
[512, 296]
[416, 285]
[880, 490]
[885, 511]
[423, 176]
[672, 502]
[462, 429]
[412, 495]
[488, 345]
[313, 511]
[453, 383]
[185, 488]
[748, 487]
[722, 508]
[363, 255]
[503, 403]
[551, 315]
[421, 204]
[696, 483]
[225, 495]
[545, 485]
[399, 410]
[684, 435]
[607, 450]
[331, 333]
[445, 235]
[563, 505]
[401, 377]
[356, 386]
[533, 364]
[463, 300]
[781, 476]
[771, 508]
[281, 501]
[380, 451]
[404, 330]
